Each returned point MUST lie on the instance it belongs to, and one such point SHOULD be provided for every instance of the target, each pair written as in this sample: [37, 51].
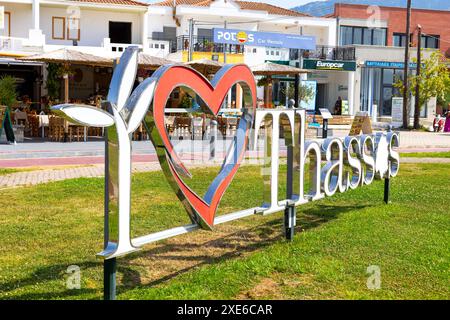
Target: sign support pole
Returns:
[325, 128]
[109, 279]
[289, 211]
[109, 265]
[387, 186]
[387, 182]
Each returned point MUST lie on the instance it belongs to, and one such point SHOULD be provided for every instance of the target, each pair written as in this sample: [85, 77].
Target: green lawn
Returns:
[4, 171]
[425, 154]
[46, 228]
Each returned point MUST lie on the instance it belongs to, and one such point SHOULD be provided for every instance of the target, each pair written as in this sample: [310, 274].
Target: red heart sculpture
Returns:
[201, 210]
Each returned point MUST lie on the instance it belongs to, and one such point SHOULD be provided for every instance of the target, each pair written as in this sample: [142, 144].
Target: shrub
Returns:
[8, 91]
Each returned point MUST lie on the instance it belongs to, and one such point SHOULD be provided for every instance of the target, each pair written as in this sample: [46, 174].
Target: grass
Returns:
[4, 171]
[425, 154]
[46, 228]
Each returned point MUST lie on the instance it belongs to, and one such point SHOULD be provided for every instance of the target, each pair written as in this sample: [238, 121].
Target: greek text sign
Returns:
[388, 64]
[264, 39]
[335, 164]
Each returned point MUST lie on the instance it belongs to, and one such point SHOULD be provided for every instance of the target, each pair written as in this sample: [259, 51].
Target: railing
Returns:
[120, 47]
[11, 44]
[330, 53]
[117, 48]
[206, 44]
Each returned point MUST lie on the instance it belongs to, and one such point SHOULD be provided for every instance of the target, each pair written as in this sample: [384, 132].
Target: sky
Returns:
[280, 3]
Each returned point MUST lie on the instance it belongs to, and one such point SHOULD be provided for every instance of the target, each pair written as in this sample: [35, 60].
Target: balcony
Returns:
[206, 44]
[330, 53]
[200, 44]
[13, 45]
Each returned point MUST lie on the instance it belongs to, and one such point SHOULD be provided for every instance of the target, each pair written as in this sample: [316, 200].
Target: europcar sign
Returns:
[350, 162]
[335, 65]
[264, 39]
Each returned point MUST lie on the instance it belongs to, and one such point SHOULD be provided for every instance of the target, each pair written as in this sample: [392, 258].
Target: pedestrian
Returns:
[338, 106]
[447, 121]
[291, 104]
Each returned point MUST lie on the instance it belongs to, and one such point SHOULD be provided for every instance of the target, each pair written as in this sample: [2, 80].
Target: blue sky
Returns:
[280, 3]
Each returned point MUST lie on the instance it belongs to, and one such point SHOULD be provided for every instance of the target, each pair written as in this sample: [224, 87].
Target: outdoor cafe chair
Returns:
[197, 127]
[182, 126]
[56, 128]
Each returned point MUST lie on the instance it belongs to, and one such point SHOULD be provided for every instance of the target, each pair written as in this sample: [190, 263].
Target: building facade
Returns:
[106, 27]
[100, 27]
[378, 36]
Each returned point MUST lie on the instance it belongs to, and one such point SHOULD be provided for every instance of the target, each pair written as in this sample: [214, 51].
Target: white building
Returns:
[95, 26]
[106, 27]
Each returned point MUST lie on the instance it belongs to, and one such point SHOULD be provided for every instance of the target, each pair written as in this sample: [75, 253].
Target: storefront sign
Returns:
[388, 64]
[397, 109]
[264, 39]
[368, 156]
[331, 65]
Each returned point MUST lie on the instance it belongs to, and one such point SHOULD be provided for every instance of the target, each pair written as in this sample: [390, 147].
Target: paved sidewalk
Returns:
[424, 160]
[33, 177]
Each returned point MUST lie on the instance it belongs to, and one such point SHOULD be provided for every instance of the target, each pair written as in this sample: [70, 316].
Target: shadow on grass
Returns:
[231, 245]
[240, 242]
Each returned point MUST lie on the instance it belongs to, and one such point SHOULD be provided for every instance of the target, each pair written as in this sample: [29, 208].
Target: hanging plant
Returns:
[8, 91]
[55, 72]
[262, 82]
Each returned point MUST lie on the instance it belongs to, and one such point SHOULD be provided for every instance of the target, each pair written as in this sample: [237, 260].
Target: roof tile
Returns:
[119, 2]
[245, 5]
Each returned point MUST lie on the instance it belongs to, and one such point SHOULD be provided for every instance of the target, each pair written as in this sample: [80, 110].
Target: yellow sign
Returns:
[241, 36]
[361, 122]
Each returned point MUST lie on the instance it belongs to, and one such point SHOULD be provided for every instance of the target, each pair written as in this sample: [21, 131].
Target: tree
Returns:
[305, 92]
[8, 93]
[433, 80]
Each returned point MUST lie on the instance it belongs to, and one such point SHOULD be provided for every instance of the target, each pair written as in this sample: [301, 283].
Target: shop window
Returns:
[58, 28]
[430, 41]
[362, 35]
[357, 35]
[388, 76]
[399, 40]
[379, 37]
[346, 35]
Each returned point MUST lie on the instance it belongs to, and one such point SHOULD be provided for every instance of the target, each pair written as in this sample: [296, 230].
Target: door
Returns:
[120, 32]
[320, 97]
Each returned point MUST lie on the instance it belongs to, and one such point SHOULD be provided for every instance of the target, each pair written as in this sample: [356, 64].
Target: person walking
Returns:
[447, 121]
[338, 106]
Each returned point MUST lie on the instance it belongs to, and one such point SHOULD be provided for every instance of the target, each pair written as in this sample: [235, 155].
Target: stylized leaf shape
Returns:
[139, 102]
[84, 115]
[123, 78]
